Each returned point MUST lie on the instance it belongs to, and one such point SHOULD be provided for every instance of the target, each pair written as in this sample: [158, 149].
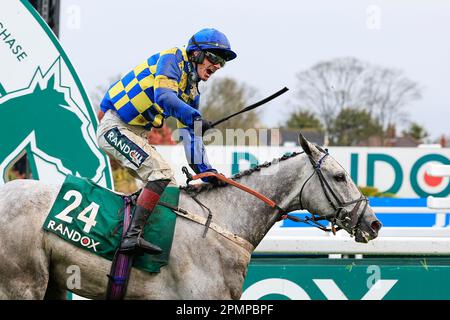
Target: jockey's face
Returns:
[206, 69]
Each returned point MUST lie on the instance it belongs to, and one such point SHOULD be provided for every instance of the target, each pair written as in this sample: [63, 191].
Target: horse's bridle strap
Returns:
[340, 205]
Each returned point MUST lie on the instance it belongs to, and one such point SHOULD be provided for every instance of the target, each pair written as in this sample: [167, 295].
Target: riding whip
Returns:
[253, 106]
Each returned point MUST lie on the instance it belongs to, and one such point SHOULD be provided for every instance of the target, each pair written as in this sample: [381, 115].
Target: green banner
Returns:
[352, 279]
[44, 107]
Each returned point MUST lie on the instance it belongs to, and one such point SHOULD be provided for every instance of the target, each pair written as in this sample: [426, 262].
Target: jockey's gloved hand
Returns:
[213, 180]
[203, 123]
[217, 182]
[206, 125]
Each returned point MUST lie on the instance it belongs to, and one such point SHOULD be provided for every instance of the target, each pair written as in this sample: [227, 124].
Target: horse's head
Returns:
[329, 192]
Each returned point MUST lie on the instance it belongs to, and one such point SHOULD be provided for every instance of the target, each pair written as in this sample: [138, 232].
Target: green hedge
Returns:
[374, 192]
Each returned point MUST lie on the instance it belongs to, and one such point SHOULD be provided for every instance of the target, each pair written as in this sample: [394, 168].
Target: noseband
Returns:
[349, 219]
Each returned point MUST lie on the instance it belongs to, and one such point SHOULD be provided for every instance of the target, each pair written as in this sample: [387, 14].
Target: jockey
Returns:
[164, 85]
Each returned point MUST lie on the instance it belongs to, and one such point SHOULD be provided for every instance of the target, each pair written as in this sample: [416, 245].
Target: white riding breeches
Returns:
[129, 145]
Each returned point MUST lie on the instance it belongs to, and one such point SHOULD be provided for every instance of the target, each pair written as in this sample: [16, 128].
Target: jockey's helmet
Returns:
[213, 40]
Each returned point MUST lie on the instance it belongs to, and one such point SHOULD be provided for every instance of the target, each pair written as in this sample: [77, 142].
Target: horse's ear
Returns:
[309, 148]
[306, 146]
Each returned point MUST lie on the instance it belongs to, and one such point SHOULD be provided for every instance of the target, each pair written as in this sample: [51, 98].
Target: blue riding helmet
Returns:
[213, 40]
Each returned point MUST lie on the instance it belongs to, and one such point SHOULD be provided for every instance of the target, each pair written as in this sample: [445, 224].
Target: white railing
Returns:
[438, 170]
[433, 240]
[343, 245]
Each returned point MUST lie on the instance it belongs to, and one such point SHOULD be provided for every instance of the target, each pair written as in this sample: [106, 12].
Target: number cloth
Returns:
[91, 217]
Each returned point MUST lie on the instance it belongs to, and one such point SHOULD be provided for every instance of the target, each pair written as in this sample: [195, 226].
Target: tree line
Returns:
[346, 99]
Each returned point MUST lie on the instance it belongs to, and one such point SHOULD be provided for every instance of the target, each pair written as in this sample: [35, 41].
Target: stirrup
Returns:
[138, 247]
[148, 247]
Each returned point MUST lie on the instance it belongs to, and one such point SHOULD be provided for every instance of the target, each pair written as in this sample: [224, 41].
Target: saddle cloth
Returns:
[91, 217]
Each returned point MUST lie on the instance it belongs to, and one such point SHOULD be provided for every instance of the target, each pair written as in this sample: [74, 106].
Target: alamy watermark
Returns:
[74, 279]
[244, 143]
[373, 17]
[73, 17]
[375, 276]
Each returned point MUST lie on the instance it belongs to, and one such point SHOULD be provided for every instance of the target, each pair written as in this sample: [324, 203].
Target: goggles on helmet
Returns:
[215, 59]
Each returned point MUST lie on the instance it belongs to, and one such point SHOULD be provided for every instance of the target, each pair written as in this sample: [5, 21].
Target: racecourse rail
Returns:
[410, 227]
[416, 226]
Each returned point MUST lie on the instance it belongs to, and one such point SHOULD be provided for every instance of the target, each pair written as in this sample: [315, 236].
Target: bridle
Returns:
[348, 219]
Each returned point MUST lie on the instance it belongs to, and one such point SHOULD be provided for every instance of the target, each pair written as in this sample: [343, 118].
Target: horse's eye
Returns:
[340, 177]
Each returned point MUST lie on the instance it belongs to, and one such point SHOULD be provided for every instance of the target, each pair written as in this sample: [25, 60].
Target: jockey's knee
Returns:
[165, 174]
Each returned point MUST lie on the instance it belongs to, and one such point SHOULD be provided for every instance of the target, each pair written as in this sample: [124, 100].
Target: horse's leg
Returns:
[23, 276]
[24, 259]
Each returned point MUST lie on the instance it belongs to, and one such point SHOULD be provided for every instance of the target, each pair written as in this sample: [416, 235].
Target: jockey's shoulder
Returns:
[179, 53]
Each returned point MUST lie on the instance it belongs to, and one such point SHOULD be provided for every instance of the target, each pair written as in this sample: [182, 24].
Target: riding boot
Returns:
[133, 241]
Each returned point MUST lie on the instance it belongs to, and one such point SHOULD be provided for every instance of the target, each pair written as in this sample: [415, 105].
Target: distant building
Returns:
[405, 141]
[289, 137]
[390, 140]
[375, 141]
[444, 141]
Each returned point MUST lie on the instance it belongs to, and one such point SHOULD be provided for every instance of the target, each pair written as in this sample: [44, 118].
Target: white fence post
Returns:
[441, 204]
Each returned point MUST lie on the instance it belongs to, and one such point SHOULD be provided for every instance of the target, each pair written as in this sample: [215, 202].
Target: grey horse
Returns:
[34, 263]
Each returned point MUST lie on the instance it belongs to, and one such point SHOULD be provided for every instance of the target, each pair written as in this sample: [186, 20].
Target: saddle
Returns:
[92, 218]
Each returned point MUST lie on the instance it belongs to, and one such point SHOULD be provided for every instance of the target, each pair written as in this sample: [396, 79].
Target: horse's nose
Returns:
[375, 226]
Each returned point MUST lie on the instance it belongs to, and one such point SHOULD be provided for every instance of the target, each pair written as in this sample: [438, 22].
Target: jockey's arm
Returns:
[167, 77]
[194, 150]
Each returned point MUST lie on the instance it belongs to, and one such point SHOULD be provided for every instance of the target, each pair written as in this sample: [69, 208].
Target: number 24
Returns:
[88, 220]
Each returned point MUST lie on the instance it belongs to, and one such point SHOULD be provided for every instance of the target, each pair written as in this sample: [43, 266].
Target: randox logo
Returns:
[126, 147]
[421, 183]
[43, 106]
[401, 172]
[73, 235]
[328, 287]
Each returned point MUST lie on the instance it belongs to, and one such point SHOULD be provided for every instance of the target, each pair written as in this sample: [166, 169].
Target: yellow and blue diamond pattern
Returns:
[133, 95]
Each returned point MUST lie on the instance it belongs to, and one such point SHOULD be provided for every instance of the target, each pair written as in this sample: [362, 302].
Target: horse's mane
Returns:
[197, 188]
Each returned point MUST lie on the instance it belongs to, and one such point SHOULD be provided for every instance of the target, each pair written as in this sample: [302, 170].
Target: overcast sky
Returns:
[274, 39]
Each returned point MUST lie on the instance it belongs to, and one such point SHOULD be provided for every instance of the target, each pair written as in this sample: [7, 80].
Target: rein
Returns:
[349, 219]
[312, 221]
[258, 195]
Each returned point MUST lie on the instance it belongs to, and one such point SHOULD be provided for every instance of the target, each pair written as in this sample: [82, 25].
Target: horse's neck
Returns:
[248, 216]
